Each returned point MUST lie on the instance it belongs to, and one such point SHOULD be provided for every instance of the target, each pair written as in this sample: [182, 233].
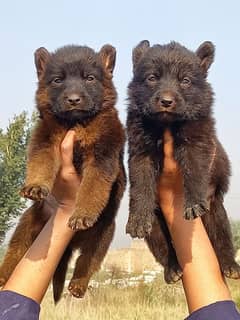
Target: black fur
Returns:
[169, 90]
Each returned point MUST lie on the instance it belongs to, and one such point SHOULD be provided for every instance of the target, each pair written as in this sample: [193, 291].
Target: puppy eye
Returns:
[152, 78]
[57, 80]
[186, 81]
[90, 78]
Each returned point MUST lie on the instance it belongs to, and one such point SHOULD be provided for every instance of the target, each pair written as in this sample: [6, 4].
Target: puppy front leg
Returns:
[194, 164]
[42, 167]
[94, 192]
[142, 196]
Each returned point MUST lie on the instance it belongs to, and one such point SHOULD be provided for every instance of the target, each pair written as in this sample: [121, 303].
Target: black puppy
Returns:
[169, 90]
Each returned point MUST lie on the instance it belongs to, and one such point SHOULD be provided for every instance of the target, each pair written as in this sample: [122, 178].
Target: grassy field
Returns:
[154, 301]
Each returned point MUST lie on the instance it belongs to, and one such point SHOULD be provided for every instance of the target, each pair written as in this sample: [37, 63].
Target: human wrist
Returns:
[61, 218]
[52, 206]
[172, 208]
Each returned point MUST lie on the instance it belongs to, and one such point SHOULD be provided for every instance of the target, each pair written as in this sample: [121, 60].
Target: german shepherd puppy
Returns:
[75, 90]
[169, 90]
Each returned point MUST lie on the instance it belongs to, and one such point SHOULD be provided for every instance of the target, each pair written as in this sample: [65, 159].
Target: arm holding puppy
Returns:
[203, 283]
[43, 256]
[196, 257]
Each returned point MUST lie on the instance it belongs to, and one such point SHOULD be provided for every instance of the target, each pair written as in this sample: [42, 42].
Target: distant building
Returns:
[135, 259]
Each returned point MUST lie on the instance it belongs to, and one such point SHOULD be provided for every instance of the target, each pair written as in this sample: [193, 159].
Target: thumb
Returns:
[169, 163]
[66, 150]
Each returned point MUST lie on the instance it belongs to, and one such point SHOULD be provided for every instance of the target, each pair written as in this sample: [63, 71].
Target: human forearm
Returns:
[202, 279]
[32, 275]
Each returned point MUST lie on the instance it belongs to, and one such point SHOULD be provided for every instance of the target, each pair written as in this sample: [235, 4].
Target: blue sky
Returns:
[27, 25]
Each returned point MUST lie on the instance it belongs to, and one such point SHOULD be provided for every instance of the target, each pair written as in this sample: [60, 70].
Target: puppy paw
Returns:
[232, 271]
[34, 192]
[172, 275]
[77, 288]
[197, 210]
[139, 226]
[77, 222]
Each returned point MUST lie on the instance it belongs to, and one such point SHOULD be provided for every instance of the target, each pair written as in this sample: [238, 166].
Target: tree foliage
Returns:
[13, 142]
[235, 224]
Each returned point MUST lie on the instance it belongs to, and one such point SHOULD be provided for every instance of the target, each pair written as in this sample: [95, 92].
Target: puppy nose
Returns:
[166, 103]
[73, 99]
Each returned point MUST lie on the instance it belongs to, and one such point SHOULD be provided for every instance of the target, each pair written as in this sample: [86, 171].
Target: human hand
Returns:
[67, 181]
[170, 187]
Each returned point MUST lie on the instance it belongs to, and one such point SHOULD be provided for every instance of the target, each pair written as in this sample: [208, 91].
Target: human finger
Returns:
[66, 150]
[169, 163]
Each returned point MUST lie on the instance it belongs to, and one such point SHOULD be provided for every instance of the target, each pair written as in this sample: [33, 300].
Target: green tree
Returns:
[13, 143]
[235, 224]
[2, 252]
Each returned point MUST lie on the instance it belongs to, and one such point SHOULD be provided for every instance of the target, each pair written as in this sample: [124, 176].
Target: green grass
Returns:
[154, 301]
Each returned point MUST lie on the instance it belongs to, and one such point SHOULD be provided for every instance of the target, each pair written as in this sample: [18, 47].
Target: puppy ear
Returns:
[139, 51]
[108, 57]
[41, 57]
[206, 54]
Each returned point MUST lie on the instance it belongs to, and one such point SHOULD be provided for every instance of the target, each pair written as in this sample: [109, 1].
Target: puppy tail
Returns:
[60, 275]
